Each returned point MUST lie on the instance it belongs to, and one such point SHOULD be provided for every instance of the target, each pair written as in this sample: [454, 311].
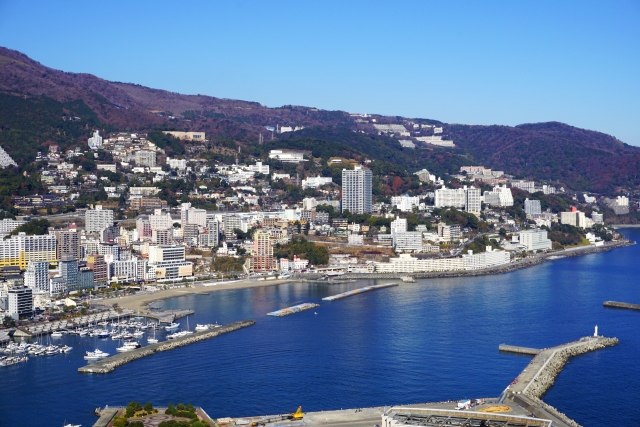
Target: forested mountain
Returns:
[40, 105]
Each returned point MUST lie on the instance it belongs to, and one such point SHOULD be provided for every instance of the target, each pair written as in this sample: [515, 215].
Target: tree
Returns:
[148, 407]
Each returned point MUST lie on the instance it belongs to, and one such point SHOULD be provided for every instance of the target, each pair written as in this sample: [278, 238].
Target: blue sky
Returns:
[479, 62]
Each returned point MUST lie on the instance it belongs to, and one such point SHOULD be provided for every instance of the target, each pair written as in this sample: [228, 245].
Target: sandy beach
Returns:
[139, 302]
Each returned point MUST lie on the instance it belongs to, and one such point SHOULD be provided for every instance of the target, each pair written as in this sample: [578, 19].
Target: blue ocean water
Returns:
[426, 341]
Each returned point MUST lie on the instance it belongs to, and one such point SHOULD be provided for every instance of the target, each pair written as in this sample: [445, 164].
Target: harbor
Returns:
[293, 310]
[358, 291]
[111, 363]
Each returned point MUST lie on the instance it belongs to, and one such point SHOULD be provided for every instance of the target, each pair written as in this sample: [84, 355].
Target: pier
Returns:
[91, 319]
[110, 363]
[292, 310]
[520, 350]
[167, 316]
[358, 291]
[616, 304]
[540, 374]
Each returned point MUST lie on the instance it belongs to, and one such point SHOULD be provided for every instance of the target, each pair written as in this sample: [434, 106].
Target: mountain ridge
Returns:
[552, 151]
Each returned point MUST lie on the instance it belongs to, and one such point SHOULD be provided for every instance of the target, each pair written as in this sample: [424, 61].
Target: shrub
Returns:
[190, 408]
[170, 409]
[148, 407]
[180, 407]
[120, 422]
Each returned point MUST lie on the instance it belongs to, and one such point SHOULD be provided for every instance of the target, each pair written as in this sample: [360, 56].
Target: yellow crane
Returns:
[298, 415]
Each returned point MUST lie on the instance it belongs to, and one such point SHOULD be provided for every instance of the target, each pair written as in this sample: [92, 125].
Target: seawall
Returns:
[110, 363]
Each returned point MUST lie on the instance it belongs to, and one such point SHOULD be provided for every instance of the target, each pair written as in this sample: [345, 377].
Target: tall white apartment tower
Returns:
[356, 190]
[97, 219]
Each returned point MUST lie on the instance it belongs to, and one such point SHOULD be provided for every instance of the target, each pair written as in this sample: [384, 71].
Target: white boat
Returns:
[171, 326]
[56, 334]
[93, 355]
[138, 333]
[152, 340]
[66, 349]
[128, 346]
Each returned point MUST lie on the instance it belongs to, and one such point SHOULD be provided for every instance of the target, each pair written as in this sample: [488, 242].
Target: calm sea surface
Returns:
[426, 341]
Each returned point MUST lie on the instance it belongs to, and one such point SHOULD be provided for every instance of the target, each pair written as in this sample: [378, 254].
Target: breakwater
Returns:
[557, 357]
[358, 291]
[616, 304]
[292, 310]
[519, 350]
[110, 363]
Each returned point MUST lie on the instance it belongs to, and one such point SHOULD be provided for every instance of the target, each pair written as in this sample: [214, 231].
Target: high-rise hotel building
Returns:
[20, 249]
[356, 190]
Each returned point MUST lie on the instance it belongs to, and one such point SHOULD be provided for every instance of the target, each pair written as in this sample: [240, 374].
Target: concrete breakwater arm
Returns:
[616, 304]
[557, 357]
[110, 363]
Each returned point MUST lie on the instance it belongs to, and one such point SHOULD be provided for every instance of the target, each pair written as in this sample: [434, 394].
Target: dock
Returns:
[520, 350]
[616, 304]
[167, 316]
[293, 310]
[108, 364]
[77, 322]
[358, 291]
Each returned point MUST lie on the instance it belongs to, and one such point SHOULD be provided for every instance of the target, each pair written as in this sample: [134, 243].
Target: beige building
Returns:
[187, 136]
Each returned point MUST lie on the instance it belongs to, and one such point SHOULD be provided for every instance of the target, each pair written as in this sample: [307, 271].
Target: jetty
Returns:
[540, 374]
[358, 291]
[110, 363]
[616, 304]
[167, 316]
[293, 310]
[520, 350]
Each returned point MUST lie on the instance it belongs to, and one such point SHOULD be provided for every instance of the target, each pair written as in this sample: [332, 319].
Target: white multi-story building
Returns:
[316, 181]
[356, 190]
[124, 270]
[189, 215]
[535, 240]
[532, 207]
[259, 168]
[7, 225]
[160, 220]
[98, 219]
[453, 197]
[287, 156]
[473, 200]
[95, 142]
[528, 186]
[406, 263]
[20, 249]
[169, 262]
[180, 164]
[449, 233]
[37, 276]
[500, 196]
[398, 225]
[576, 219]
[145, 158]
[405, 203]
[407, 241]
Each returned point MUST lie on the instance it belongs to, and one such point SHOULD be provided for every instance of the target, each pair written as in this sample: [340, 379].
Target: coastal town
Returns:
[123, 215]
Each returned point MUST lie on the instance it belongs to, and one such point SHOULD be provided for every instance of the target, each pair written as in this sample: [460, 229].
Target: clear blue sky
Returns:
[476, 62]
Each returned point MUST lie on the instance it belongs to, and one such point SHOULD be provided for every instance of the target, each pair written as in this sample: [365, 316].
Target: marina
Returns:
[111, 363]
[358, 291]
[294, 309]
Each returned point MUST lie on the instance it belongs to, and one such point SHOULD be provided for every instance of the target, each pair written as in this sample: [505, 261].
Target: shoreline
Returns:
[141, 302]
